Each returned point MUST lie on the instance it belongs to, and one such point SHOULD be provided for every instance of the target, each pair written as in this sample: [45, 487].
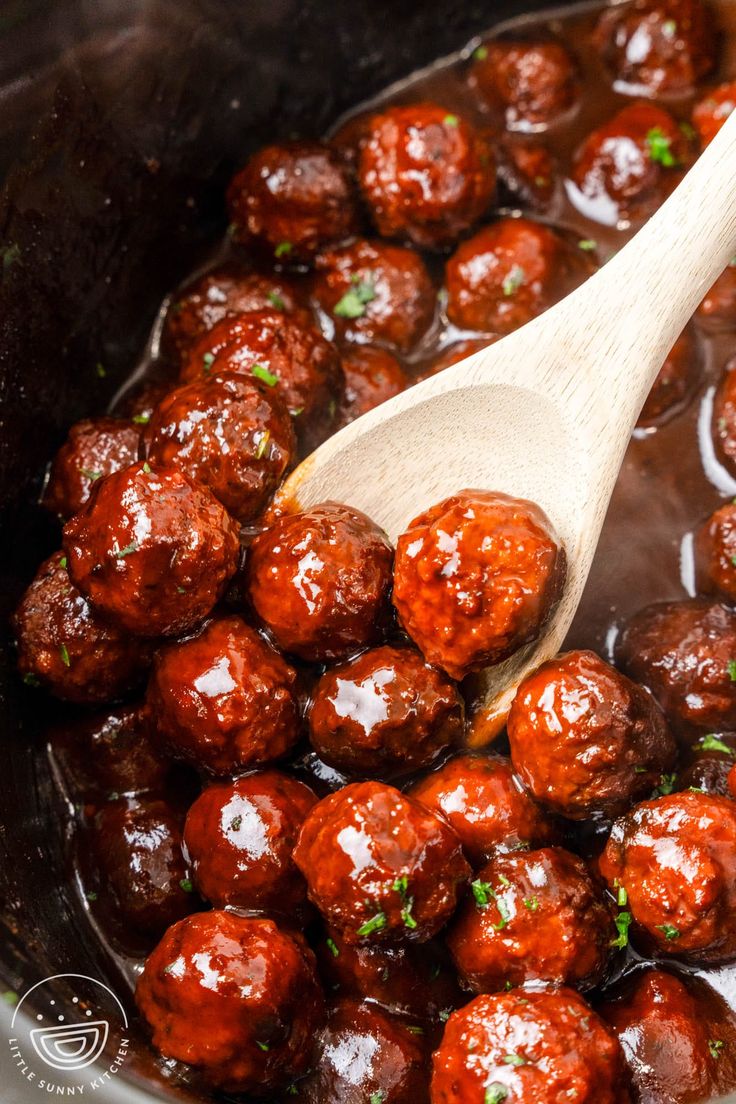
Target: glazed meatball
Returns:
[386, 712]
[231, 433]
[293, 199]
[675, 857]
[223, 291]
[527, 174]
[532, 82]
[717, 311]
[684, 652]
[534, 916]
[223, 700]
[475, 578]
[710, 113]
[656, 46]
[233, 996]
[676, 1035]
[715, 553]
[425, 174]
[508, 273]
[364, 1054]
[625, 168]
[374, 291]
[320, 580]
[723, 424]
[152, 550]
[239, 837]
[372, 376]
[93, 448]
[64, 644]
[709, 762]
[293, 358]
[541, 1047]
[486, 804]
[585, 739]
[675, 382]
[137, 848]
[379, 867]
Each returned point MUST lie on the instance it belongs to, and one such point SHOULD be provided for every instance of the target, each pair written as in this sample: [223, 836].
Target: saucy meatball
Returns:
[626, 167]
[527, 174]
[675, 382]
[231, 433]
[657, 46]
[364, 1054]
[224, 700]
[372, 376]
[65, 645]
[541, 1047]
[709, 761]
[379, 867]
[235, 997]
[675, 857]
[475, 578]
[137, 847]
[293, 198]
[152, 550]
[425, 174]
[715, 552]
[710, 113]
[486, 804]
[533, 82]
[683, 652]
[374, 291]
[508, 273]
[386, 712]
[677, 1036]
[585, 739]
[717, 310]
[320, 581]
[723, 424]
[534, 916]
[239, 837]
[93, 448]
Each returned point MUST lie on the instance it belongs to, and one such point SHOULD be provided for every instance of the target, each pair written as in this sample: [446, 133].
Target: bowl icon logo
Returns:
[72, 1046]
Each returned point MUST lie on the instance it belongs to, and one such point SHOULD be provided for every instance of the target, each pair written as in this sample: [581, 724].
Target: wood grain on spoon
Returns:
[547, 412]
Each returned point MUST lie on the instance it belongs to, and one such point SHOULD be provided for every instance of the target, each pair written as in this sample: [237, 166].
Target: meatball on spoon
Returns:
[546, 413]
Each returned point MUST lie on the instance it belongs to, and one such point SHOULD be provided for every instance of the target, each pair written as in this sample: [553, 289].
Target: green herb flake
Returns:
[406, 916]
[480, 53]
[733, 561]
[658, 145]
[181, 590]
[276, 301]
[504, 880]
[31, 680]
[514, 1060]
[508, 985]
[482, 891]
[186, 885]
[141, 419]
[504, 913]
[376, 923]
[91, 896]
[263, 444]
[444, 1014]
[263, 1046]
[283, 249]
[711, 742]
[63, 563]
[623, 922]
[415, 1030]
[262, 373]
[207, 361]
[10, 997]
[531, 903]
[666, 785]
[295, 413]
[90, 474]
[146, 468]
[732, 670]
[292, 1090]
[669, 28]
[715, 1046]
[121, 553]
[688, 131]
[332, 948]
[235, 824]
[100, 370]
[401, 885]
[514, 280]
[451, 120]
[495, 1093]
[377, 1097]
[10, 255]
[64, 653]
[669, 931]
[622, 897]
[588, 245]
[355, 300]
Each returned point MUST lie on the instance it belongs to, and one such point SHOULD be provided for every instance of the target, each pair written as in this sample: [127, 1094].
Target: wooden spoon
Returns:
[546, 413]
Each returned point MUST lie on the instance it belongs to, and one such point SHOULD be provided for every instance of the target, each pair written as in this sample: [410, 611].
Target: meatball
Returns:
[320, 581]
[64, 644]
[374, 291]
[675, 383]
[532, 82]
[585, 739]
[386, 712]
[475, 578]
[152, 550]
[484, 801]
[235, 997]
[717, 311]
[372, 376]
[709, 762]
[675, 857]
[93, 448]
[291, 357]
[656, 46]
[379, 867]
[677, 1036]
[710, 113]
[137, 847]
[223, 700]
[231, 433]
[684, 653]
[534, 916]
[425, 173]
[293, 199]
[239, 837]
[532, 1046]
[225, 290]
[364, 1054]
[715, 552]
[508, 273]
[139, 401]
[625, 168]
[723, 424]
[527, 174]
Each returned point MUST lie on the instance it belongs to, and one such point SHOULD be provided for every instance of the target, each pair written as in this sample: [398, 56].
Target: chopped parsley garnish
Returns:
[482, 891]
[732, 670]
[373, 925]
[283, 249]
[531, 903]
[480, 53]
[623, 922]
[332, 947]
[101, 370]
[186, 885]
[235, 823]
[276, 301]
[715, 1046]
[263, 374]
[90, 474]
[141, 419]
[146, 468]
[713, 743]
[658, 145]
[10, 997]
[355, 299]
[451, 120]
[622, 897]
[121, 553]
[504, 913]
[444, 1014]
[669, 28]
[514, 280]
[63, 562]
[495, 1093]
[263, 443]
[688, 130]
[733, 558]
[91, 896]
[207, 361]
[669, 931]
[377, 1097]
[263, 1046]
[588, 245]
[295, 413]
[64, 653]
[513, 1060]
[666, 785]
[31, 680]
[504, 880]
[401, 885]
[414, 1030]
